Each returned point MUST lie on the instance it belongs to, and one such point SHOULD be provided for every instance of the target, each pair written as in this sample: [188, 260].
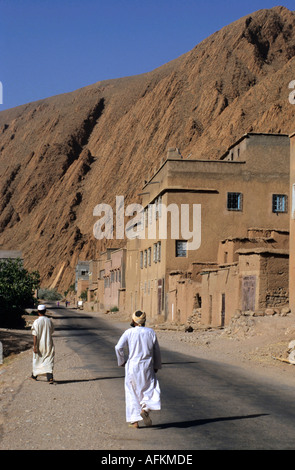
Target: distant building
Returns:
[82, 277]
[292, 225]
[107, 280]
[10, 254]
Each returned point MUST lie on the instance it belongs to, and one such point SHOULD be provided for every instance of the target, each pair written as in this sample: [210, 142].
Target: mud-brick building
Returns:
[114, 279]
[106, 287]
[81, 278]
[10, 254]
[292, 225]
[254, 278]
[247, 187]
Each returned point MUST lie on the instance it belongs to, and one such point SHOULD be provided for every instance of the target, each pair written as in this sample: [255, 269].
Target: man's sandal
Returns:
[134, 425]
[146, 418]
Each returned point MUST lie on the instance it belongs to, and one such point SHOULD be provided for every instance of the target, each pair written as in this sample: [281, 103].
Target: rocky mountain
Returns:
[61, 156]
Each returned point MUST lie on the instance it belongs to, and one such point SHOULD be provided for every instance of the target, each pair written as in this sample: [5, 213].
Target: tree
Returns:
[49, 294]
[17, 287]
[83, 295]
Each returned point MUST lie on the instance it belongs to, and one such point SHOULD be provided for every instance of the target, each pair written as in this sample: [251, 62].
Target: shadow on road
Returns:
[200, 422]
[62, 382]
[67, 317]
[178, 362]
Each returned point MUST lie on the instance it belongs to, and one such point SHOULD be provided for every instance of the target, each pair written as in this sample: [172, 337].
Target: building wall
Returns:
[114, 276]
[257, 281]
[292, 225]
[82, 273]
[220, 295]
[132, 300]
[82, 285]
[183, 296]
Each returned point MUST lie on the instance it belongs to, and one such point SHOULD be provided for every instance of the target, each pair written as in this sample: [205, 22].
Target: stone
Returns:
[285, 311]
[269, 311]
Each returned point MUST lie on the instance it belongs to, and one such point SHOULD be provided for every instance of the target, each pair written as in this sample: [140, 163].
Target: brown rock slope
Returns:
[61, 156]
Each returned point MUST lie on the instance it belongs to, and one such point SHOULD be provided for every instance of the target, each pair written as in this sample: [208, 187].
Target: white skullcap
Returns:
[41, 307]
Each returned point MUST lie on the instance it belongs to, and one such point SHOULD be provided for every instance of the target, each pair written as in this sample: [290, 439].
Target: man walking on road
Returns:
[142, 390]
[43, 356]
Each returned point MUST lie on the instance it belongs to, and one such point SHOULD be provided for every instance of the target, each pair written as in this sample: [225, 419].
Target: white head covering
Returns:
[41, 308]
[139, 317]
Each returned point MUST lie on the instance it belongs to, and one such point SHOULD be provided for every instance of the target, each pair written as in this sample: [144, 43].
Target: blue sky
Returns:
[57, 46]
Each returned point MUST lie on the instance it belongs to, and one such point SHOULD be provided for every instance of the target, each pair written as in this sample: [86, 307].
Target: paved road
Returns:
[205, 405]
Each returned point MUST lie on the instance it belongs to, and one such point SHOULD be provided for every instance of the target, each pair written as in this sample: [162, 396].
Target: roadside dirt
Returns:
[259, 344]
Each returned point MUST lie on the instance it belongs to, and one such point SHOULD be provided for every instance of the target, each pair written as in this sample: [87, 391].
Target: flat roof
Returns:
[272, 251]
[245, 136]
[8, 254]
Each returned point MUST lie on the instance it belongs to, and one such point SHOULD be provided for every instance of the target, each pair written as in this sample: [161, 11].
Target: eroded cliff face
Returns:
[61, 156]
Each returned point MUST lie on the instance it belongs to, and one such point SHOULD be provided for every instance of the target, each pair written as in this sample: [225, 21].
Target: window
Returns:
[279, 203]
[141, 259]
[149, 256]
[155, 253]
[157, 207]
[150, 213]
[234, 201]
[159, 251]
[181, 248]
[145, 258]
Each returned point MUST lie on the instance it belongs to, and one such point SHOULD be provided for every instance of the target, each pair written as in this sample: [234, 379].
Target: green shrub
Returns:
[17, 287]
[114, 309]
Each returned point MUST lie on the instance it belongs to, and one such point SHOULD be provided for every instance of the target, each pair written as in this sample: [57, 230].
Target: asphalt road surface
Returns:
[205, 404]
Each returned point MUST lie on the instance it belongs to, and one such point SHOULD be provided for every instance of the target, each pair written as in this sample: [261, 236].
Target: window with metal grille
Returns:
[159, 251]
[279, 203]
[234, 201]
[155, 253]
[181, 248]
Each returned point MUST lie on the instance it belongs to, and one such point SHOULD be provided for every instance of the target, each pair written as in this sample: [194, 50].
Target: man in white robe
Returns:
[43, 355]
[142, 390]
